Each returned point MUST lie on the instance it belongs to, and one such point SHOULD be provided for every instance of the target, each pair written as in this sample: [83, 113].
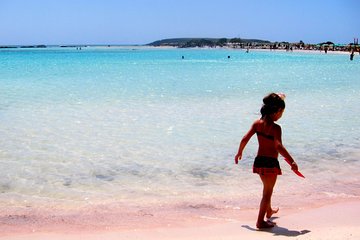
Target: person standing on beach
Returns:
[266, 163]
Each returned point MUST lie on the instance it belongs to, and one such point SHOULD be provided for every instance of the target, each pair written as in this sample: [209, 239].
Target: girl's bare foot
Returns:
[264, 224]
[270, 213]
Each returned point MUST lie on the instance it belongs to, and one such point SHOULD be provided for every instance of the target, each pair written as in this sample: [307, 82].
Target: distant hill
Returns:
[205, 42]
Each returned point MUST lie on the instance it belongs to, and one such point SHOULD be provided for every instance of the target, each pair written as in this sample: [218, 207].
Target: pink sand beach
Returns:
[330, 221]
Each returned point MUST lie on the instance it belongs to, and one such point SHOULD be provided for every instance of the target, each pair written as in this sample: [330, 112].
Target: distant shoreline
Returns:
[240, 43]
[236, 43]
[136, 47]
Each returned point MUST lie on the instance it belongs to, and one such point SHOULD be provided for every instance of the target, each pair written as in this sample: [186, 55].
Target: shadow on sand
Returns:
[279, 231]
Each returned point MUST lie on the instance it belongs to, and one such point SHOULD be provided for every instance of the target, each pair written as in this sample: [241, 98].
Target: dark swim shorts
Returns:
[266, 165]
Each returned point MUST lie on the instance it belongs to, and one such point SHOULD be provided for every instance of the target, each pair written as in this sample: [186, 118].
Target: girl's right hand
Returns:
[237, 158]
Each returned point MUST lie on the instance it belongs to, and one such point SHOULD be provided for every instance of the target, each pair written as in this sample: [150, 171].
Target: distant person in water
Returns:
[352, 55]
[266, 163]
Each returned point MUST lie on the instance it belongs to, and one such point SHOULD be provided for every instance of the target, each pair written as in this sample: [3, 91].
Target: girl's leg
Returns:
[271, 211]
[269, 181]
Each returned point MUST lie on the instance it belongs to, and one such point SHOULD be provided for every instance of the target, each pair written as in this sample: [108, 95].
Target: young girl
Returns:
[270, 145]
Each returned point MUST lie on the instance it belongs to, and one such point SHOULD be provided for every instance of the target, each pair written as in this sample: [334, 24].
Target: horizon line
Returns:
[144, 44]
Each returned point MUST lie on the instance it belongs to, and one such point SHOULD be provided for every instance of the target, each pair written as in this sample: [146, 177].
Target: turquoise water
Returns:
[143, 126]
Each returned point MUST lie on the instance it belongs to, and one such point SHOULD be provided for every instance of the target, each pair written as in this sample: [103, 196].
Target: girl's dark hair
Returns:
[272, 104]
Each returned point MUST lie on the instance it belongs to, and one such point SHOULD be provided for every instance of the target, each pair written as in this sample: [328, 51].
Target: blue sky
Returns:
[143, 21]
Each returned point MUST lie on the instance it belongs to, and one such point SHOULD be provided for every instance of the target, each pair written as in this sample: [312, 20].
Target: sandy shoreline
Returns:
[332, 221]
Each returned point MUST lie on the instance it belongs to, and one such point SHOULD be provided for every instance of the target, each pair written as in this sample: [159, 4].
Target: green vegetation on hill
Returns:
[205, 42]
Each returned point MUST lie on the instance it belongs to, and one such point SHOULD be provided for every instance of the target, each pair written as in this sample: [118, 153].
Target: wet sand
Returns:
[333, 221]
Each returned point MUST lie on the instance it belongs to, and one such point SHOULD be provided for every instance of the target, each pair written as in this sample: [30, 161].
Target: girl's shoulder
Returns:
[277, 128]
[261, 124]
[257, 123]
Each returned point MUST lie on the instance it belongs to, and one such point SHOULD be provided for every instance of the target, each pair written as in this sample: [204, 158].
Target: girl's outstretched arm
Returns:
[244, 141]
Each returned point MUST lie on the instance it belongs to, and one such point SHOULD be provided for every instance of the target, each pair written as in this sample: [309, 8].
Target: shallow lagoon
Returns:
[142, 126]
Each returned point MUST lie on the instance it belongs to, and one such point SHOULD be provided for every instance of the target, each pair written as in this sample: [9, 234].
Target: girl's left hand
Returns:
[294, 166]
